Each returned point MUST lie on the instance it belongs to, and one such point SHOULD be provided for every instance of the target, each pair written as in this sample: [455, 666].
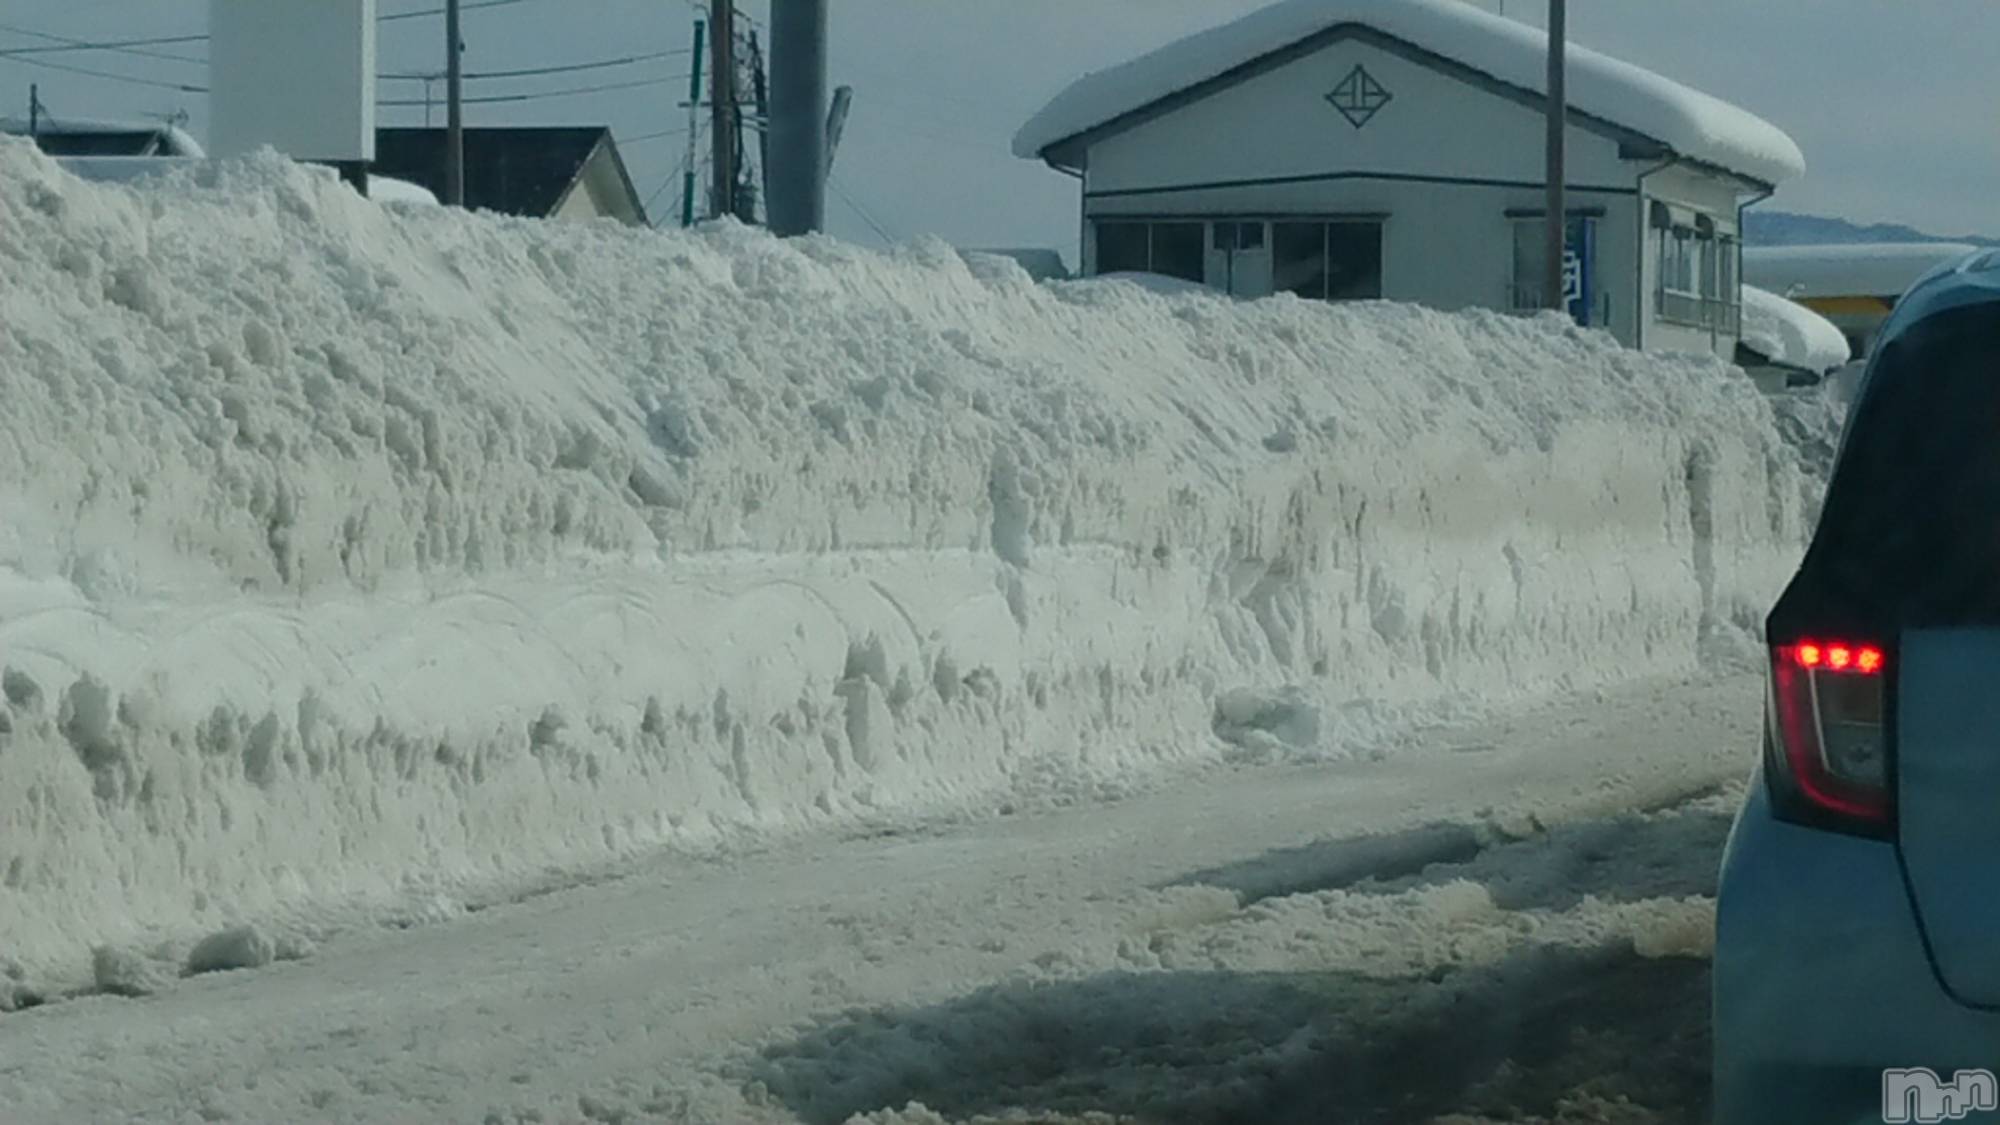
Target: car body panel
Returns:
[1822, 981]
[1948, 787]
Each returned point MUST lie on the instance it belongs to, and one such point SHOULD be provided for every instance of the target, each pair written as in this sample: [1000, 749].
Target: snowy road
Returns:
[1488, 923]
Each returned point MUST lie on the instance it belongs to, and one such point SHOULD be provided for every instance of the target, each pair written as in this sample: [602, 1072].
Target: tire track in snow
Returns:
[1414, 977]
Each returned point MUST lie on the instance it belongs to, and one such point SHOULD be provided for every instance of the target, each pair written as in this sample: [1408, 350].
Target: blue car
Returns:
[1857, 960]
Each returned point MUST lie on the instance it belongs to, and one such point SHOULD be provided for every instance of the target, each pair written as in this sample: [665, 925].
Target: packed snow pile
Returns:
[362, 559]
[1790, 334]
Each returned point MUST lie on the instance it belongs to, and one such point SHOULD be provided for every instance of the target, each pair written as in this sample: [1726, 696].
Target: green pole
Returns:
[694, 119]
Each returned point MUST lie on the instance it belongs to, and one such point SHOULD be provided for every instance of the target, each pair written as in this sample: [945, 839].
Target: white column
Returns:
[298, 75]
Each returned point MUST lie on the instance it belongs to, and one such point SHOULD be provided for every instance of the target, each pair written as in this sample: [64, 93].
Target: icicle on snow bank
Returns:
[354, 559]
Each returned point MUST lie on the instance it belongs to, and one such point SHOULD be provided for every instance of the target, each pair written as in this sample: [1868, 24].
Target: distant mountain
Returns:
[1788, 228]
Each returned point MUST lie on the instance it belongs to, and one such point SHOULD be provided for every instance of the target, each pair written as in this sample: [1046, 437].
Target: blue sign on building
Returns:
[1580, 270]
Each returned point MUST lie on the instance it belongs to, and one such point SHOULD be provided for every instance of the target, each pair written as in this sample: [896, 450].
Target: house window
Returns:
[1698, 283]
[1328, 261]
[1171, 248]
[1178, 251]
[1728, 307]
[1124, 248]
[1680, 296]
[1531, 267]
[1231, 237]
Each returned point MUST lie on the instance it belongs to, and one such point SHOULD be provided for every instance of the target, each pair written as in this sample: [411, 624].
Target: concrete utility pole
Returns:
[694, 131]
[760, 98]
[798, 117]
[1558, 211]
[722, 99]
[454, 120]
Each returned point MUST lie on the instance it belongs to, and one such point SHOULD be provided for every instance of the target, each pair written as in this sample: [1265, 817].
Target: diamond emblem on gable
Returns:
[1359, 97]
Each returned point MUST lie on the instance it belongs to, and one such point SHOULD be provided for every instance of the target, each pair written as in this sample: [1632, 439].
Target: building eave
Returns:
[1071, 151]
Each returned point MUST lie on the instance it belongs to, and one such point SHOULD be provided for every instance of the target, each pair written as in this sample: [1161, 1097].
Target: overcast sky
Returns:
[1897, 105]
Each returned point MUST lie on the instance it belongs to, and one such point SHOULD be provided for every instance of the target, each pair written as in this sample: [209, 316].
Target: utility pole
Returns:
[454, 121]
[743, 195]
[722, 108]
[798, 117]
[34, 111]
[760, 93]
[1557, 209]
[694, 128]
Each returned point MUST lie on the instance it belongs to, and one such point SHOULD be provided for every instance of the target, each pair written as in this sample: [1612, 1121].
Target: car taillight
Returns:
[1827, 704]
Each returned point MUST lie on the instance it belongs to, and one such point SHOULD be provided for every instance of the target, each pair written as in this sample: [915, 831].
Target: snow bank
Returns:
[1788, 333]
[357, 558]
[1692, 123]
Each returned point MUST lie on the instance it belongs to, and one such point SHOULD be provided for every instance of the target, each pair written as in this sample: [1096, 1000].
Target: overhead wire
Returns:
[125, 45]
[540, 95]
[678, 176]
[69, 44]
[180, 87]
[661, 135]
[473, 6]
[855, 206]
[541, 71]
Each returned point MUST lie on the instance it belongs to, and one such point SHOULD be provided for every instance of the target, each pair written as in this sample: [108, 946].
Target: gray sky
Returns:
[1896, 105]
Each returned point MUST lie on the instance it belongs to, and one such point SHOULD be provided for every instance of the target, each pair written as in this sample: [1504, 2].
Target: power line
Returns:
[680, 170]
[539, 71]
[858, 209]
[180, 87]
[543, 95]
[474, 6]
[109, 45]
[69, 45]
[86, 45]
[642, 138]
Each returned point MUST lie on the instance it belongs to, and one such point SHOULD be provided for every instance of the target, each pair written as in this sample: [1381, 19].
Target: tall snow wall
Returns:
[354, 558]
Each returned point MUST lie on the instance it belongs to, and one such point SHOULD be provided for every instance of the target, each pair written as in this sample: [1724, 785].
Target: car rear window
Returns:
[1910, 534]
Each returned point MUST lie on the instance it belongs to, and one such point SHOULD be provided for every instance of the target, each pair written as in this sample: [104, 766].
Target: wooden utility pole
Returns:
[1557, 209]
[34, 110]
[722, 98]
[454, 127]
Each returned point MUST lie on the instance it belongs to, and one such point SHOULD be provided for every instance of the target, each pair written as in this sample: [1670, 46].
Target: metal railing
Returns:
[1699, 312]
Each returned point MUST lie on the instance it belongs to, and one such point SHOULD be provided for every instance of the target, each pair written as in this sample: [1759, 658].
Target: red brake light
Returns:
[1827, 724]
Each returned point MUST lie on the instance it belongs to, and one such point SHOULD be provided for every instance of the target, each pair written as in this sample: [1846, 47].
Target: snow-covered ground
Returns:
[1507, 921]
[363, 563]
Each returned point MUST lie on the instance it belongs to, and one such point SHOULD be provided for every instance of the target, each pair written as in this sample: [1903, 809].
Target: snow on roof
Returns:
[1153, 283]
[1868, 269]
[1790, 334]
[122, 169]
[1691, 123]
[174, 141]
[388, 189]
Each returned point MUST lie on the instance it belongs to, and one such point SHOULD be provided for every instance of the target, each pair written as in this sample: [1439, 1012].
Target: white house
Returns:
[1353, 149]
